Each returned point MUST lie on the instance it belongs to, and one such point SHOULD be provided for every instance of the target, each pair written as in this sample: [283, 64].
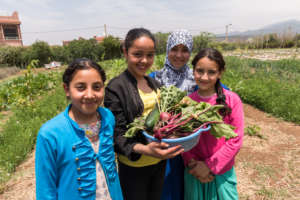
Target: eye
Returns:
[174, 49]
[185, 50]
[137, 54]
[97, 86]
[212, 72]
[200, 71]
[150, 55]
[80, 87]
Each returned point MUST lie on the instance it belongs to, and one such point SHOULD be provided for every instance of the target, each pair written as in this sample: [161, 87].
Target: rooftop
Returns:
[13, 19]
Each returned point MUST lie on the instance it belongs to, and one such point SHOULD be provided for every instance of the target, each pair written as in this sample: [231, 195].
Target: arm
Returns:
[122, 144]
[232, 146]
[45, 168]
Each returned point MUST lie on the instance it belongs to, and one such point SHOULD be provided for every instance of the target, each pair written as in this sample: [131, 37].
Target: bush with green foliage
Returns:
[161, 42]
[84, 48]
[59, 53]
[41, 51]
[204, 40]
[112, 48]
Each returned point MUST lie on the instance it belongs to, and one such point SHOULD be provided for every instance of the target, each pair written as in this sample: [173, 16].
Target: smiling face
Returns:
[86, 92]
[206, 74]
[140, 56]
[179, 55]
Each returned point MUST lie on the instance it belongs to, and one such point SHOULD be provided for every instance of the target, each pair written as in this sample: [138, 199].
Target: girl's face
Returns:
[179, 55]
[86, 91]
[140, 56]
[206, 74]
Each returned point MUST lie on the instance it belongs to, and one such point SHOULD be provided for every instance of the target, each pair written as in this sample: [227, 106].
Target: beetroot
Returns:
[164, 116]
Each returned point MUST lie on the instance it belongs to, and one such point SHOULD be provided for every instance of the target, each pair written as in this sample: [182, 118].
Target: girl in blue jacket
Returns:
[74, 152]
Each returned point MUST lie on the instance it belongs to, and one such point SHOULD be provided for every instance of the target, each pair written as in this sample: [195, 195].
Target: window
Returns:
[10, 32]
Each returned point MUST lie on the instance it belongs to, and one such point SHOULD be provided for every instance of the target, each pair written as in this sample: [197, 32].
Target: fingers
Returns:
[192, 163]
[171, 152]
[163, 151]
[206, 179]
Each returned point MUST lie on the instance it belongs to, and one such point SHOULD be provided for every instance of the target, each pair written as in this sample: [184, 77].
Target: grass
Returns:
[8, 71]
[271, 86]
[18, 134]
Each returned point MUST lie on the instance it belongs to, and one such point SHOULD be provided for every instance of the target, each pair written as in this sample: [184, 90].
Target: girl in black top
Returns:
[132, 94]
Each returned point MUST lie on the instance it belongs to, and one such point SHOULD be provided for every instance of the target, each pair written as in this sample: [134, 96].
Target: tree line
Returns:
[110, 48]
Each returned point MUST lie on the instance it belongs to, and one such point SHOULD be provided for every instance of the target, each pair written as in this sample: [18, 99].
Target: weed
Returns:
[253, 130]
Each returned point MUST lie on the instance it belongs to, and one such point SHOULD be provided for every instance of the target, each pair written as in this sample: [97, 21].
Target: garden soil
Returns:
[267, 167]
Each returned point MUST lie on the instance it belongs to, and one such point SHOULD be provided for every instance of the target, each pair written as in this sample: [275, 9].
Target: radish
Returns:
[164, 116]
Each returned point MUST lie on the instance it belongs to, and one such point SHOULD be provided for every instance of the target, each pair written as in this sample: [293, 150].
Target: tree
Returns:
[41, 50]
[111, 47]
[161, 42]
[83, 48]
[203, 40]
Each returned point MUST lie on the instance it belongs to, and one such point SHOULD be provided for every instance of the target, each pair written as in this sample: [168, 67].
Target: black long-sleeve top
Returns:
[123, 99]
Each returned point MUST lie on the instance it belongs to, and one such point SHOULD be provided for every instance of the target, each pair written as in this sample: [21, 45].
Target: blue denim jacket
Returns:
[66, 163]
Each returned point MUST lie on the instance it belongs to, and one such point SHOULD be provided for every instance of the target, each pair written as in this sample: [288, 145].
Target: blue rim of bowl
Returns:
[182, 139]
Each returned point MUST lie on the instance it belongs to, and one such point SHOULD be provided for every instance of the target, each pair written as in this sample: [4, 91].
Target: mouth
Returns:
[142, 67]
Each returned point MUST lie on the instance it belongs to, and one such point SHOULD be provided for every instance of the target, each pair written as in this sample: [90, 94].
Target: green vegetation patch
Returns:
[271, 86]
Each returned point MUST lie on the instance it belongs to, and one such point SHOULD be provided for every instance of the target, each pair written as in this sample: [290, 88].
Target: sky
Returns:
[56, 20]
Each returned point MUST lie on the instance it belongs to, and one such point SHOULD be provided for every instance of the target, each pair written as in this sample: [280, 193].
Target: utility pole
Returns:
[105, 32]
[226, 32]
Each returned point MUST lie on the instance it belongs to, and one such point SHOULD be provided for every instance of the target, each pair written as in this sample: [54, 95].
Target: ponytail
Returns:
[221, 99]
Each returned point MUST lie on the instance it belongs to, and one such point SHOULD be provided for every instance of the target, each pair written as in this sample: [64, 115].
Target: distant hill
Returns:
[290, 26]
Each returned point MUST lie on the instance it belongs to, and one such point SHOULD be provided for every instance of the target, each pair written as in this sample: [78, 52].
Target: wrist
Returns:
[139, 148]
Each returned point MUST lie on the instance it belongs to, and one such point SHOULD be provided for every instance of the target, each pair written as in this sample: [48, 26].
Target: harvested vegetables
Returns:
[177, 115]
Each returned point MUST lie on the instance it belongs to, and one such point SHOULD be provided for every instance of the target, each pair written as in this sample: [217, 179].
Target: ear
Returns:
[125, 52]
[66, 88]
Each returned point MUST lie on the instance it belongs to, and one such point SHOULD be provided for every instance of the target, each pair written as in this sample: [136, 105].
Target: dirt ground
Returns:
[267, 168]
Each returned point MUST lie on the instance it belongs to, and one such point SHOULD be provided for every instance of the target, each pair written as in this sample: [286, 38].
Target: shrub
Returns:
[41, 51]
[161, 42]
[203, 40]
[84, 48]
[111, 46]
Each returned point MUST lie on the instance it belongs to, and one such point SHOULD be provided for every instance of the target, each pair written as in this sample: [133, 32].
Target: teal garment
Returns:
[65, 162]
[223, 187]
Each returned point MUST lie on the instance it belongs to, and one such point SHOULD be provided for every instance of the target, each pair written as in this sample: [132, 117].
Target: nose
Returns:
[204, 76]
[144, 59]
[178, 54]
[89, 93]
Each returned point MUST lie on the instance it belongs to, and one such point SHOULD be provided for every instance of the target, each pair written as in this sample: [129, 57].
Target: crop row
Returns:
[24, 89]
[271, 86]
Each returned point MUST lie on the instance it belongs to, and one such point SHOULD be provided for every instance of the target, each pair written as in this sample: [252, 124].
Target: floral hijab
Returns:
[181, 78]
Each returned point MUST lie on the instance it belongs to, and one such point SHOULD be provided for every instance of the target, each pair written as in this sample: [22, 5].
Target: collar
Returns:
[100, 110]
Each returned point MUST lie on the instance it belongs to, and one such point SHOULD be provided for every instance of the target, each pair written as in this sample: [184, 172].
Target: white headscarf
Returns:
[169, 75]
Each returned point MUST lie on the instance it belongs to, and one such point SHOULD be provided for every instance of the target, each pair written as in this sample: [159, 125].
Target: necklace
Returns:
[92, 129]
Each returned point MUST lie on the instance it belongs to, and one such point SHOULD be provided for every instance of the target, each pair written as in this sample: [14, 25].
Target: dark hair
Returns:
[217, 57]
[134, 34]
[80, 64]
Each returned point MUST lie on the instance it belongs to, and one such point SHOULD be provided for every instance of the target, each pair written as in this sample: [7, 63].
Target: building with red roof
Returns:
[10, 32]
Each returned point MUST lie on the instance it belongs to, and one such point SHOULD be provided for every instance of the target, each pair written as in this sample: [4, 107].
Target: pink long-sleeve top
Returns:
[219, 154]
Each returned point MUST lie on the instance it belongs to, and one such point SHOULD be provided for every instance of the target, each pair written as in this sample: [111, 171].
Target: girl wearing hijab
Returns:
[176, 72]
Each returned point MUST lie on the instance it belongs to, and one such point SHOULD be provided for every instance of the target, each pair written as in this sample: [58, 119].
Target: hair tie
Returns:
[221, 98]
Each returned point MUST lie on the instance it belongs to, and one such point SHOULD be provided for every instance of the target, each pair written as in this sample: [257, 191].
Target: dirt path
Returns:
[266, 168]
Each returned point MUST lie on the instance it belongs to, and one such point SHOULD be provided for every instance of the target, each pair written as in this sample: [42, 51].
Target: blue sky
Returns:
[56, 20]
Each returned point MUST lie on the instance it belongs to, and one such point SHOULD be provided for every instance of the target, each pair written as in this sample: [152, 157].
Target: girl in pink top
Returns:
[209, 172]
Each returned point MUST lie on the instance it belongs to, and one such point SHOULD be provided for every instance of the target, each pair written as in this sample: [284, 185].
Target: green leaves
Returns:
[169, 97]
[206, 113]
